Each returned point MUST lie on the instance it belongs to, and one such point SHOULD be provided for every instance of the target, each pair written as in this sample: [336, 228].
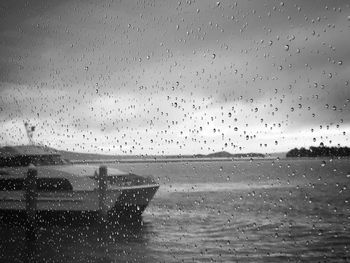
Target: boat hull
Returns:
[122, 202]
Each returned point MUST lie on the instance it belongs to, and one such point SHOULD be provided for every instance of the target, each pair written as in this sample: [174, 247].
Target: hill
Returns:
[219, 155]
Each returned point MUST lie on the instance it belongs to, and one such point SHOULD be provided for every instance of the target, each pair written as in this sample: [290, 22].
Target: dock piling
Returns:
[102, 188]
[31, 196]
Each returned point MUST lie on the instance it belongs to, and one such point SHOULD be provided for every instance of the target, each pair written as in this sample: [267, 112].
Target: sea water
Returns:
[289, 210]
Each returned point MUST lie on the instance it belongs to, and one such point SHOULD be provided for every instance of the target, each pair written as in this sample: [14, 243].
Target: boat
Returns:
[69, 189]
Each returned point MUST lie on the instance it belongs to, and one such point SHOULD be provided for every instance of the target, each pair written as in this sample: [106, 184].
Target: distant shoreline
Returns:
[186, 160]
[172, 160]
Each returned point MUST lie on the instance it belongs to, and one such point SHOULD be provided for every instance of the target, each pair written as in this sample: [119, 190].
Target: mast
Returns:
[29, 131]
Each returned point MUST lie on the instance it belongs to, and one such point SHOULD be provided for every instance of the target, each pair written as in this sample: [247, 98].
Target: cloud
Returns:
[174, 76]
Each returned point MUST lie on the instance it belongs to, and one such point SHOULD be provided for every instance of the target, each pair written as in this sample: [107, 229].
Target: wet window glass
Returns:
[174, 131]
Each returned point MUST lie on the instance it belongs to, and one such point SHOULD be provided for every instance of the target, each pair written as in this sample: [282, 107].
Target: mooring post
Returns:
[31, 196]
[31, 207]
[102, 189]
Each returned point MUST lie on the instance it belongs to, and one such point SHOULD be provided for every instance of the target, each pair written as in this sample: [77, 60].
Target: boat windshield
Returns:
[37, 160]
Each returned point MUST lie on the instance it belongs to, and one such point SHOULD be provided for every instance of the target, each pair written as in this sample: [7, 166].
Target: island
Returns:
[321, 151]
[223, 155]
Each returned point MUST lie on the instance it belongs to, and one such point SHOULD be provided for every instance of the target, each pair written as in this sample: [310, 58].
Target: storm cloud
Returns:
[175, 77]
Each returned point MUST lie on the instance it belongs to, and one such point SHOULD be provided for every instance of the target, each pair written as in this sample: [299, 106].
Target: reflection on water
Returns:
[76, 243]
[266, 211]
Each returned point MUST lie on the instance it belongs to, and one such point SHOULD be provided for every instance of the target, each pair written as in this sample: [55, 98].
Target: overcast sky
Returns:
[175, 77]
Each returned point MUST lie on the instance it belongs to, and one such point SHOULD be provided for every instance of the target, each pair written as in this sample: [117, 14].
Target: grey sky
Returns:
[153, 77]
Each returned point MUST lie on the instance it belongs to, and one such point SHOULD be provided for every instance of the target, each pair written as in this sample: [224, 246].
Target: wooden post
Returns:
[102, 188]
[31, 195]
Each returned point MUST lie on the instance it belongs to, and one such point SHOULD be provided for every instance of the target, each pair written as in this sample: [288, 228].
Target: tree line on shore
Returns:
[321, 151]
